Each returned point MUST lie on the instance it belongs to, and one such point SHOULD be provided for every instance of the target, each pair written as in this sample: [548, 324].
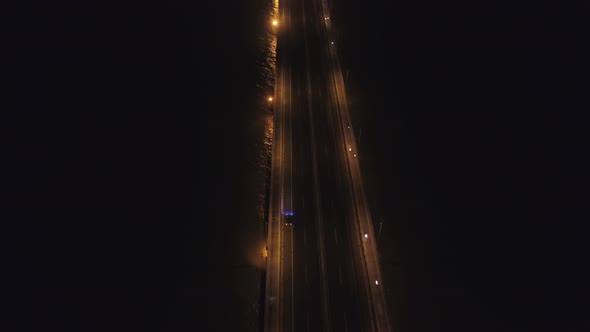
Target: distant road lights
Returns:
[354, 155]
[332, 43]
[376, 282]
[270, 99]
[349, 149]
[275, 23]
[366, 236]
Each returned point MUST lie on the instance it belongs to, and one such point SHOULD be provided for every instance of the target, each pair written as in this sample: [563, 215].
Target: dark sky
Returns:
[99, 146]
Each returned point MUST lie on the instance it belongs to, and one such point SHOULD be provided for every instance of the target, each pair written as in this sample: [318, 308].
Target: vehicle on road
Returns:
[289, 216]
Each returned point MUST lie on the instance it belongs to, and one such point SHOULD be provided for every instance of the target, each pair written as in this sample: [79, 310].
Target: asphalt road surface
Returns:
[322, 270]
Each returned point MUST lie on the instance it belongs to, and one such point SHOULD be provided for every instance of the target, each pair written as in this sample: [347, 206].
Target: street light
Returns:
[275, 22]
[269, 98]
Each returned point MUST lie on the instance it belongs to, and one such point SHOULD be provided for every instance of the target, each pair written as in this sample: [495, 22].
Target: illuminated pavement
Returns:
[362, 214]
[321, 270]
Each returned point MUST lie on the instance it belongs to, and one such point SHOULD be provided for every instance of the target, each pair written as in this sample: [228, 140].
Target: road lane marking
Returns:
[304, 259]
[345, 323]
[292, 286]
[320, 235]
[304, 243]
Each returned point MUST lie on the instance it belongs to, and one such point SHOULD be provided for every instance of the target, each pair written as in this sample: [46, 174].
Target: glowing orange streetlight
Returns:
[269, 98]
[275, 22]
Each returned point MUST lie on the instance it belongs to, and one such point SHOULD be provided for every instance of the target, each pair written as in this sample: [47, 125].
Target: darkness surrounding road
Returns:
[117, 172]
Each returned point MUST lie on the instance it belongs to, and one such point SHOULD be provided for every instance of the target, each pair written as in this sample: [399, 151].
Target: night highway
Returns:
[188, 166]
[327, 264]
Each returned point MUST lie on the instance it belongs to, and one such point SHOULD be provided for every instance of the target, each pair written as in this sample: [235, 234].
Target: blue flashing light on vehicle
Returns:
[288, 217]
